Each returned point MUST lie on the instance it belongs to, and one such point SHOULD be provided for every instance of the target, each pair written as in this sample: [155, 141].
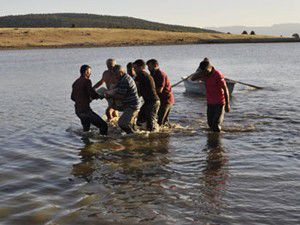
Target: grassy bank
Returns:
[23, 38]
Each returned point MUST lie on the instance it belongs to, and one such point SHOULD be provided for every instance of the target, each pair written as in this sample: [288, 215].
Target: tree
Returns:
[244, 32]
[73, 25]
[252, 33]
[296, 36]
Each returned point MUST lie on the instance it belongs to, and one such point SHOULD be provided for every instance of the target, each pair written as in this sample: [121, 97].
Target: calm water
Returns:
[51, 174]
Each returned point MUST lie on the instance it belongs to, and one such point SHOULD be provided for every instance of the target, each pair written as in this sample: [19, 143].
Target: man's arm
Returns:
[227, 98]
[91, 92]
[114, 94]
[73, 95]
[160, 82]
[197, 76]
[100, 82]
[119, 92]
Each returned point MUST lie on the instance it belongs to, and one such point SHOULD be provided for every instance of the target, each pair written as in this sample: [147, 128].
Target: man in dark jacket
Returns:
[163, 89]
[146, 89]
[82, 95]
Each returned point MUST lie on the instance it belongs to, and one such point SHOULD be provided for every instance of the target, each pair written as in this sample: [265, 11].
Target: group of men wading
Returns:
[124, 90]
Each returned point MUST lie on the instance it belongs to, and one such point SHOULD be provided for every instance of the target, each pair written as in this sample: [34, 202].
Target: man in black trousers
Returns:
[82, 95]
[146, 89]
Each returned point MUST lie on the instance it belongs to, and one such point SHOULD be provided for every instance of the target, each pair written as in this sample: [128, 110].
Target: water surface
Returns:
[53, 174]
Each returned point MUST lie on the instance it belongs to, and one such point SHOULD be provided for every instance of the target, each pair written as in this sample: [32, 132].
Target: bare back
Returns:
[109, 79]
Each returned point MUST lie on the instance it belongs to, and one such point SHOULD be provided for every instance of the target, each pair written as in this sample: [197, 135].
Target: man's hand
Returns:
[227, 108]
[106, 95]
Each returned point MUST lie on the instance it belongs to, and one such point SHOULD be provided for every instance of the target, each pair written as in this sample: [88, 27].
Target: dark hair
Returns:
[204, 64]
[129, 66]
[152, 61]
[84, 68]
[139, 63]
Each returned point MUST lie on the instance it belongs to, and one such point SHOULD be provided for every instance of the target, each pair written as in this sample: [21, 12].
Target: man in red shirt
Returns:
[163, 89]
[217, 94]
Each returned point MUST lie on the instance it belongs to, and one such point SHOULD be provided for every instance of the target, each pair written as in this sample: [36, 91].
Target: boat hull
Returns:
[198, 87]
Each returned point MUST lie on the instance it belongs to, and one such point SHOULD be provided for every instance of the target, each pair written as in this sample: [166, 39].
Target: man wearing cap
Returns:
[217, 94]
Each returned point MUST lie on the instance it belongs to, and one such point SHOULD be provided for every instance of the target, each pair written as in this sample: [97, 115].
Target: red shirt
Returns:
[214, 84]
[162, 81]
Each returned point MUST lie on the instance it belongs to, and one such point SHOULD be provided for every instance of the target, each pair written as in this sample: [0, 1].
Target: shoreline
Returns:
[53, 38]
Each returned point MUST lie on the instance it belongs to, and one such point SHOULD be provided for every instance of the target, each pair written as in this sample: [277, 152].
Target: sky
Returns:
[198, 13]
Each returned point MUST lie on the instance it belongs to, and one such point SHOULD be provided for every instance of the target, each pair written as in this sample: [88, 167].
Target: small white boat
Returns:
[198, 87]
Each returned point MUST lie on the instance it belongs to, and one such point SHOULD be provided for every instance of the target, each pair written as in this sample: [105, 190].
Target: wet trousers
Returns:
[89, 117]
[148, 114]
[215, 116]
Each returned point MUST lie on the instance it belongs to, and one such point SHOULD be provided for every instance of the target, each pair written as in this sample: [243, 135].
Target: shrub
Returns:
[296, 36]
[252, 33]
[244, 32]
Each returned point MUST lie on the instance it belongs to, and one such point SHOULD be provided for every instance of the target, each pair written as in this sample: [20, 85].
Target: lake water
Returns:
[50, 173]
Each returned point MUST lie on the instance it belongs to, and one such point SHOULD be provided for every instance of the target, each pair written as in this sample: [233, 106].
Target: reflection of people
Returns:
[110, 82]
[215, 174]
[217, 94]
[146, 88]
[163, 89]
[149, 170]
[126, 92]
[82, 93]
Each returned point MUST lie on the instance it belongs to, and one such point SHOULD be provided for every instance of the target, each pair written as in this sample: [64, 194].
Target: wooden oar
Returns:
[183, 79]
[239, 82]
[227, 79]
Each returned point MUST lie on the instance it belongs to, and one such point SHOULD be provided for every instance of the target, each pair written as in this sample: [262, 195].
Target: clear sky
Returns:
[199, 13]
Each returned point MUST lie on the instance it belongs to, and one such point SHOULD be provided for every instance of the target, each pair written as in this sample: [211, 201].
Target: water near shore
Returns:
[53, 174]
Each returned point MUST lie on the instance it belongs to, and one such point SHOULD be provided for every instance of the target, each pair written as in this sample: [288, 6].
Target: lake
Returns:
[52, 173]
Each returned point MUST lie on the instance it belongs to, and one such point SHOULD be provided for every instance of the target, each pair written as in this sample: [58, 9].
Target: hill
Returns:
[78, 20]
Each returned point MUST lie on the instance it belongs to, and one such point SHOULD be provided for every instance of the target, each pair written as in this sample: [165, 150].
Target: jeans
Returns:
[89, 117]
[215, 116]
[148, 114]
[163, 113]
[126, 121]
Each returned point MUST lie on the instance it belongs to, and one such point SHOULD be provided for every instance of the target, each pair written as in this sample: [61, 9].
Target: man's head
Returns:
[130, 69]
[110, 63]
[152, 65]
[85, 70]
[205, 66]
[139, 65]
[118, 71]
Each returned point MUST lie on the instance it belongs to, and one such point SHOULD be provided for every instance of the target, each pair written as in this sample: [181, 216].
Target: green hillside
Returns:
[90, 20]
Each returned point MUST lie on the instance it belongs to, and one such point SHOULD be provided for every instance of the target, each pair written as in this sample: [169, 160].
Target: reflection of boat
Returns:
[198, 87]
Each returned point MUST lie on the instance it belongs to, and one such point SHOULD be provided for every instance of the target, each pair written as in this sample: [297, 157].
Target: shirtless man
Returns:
[109, 79]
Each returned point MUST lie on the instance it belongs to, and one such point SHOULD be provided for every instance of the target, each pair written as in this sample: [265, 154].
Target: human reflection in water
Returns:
[129, 172]
[215, 173]
[118, 160]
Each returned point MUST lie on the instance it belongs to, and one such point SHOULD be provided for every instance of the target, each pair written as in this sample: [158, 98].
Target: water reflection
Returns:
[128, 153]
[127, 173]
[215, 174]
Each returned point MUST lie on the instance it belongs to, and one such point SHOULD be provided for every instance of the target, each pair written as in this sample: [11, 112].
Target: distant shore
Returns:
[28, 38]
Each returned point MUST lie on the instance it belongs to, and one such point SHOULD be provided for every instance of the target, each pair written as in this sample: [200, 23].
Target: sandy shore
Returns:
[24, 38]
